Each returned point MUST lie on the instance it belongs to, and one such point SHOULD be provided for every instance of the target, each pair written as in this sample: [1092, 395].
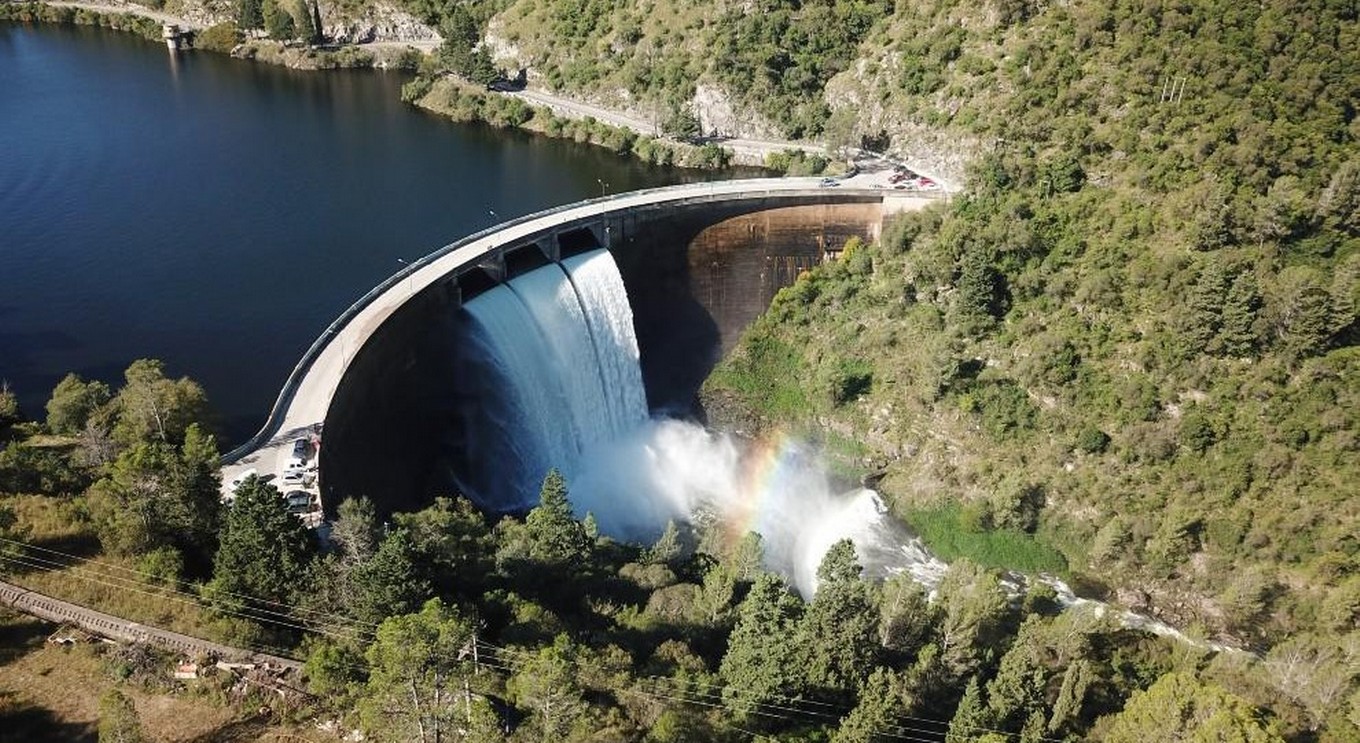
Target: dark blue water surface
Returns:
[217, 214]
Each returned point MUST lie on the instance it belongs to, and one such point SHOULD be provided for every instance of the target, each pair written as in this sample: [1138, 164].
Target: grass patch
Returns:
[767, 373]
[943, 530]
[113, 584]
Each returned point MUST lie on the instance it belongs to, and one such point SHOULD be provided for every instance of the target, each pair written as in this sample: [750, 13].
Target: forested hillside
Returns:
[1135, 336]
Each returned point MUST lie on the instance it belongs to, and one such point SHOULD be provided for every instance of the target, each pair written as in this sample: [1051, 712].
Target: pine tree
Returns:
[278, 23]
[748, 557]
[839, 633]
[1020, 682]
[906, 618]
[318, 31]
[881, 704]
[971, 719]
[249, 15]
[667, 548]
[391, 582]
[1238, 335]
[976, 614]
[1076, 681]
[555, 536]
[976, 300]
[264, 550]
[1204, 317]
[759, 666]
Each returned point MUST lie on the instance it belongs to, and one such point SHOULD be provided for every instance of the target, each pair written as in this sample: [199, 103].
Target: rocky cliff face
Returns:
[939, 150]
[719, 114]
[341, 22]
[373, 23]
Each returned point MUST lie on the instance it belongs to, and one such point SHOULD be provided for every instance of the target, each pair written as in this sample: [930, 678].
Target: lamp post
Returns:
[407, 264]
[603, 186]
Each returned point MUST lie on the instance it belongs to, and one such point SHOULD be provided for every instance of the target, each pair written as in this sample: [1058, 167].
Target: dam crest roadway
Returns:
[859, 206]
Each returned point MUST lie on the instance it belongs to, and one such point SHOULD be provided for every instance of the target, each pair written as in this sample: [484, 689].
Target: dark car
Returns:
[299, 501]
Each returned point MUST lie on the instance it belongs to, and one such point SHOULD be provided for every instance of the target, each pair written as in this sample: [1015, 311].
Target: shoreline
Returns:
[534, 111]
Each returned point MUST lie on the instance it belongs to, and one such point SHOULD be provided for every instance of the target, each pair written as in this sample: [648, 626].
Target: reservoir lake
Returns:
[217, 214]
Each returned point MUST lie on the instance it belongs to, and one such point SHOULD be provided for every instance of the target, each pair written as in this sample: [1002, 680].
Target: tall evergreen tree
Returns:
[1238, 335]
[263, 552]
[391, 582]
[1204, 317]
[906, 618]
[760, 663]
[971, 719]
[249, 15]
[839, 633]
[555, 536]
[278, 22]
[882, 703]
[976, 616]
[667, 548]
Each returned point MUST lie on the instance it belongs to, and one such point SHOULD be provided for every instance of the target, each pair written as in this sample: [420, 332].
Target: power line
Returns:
[36, 564]
[347, 630]
[153, 577]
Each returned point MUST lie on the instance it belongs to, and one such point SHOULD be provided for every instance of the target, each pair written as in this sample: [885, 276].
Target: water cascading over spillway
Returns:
[560, 339]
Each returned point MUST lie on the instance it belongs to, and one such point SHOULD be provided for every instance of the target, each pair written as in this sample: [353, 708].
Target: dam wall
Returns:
[390, 383]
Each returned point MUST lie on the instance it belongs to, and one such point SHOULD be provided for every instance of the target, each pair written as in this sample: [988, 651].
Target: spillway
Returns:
[560, 341]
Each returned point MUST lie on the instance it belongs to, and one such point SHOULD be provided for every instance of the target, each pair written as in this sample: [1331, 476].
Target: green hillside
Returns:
[1135, 335]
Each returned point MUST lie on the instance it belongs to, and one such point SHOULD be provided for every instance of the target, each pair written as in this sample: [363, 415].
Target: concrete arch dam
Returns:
[388, 385]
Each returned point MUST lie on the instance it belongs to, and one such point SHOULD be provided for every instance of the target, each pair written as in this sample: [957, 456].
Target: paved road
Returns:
[748, 151]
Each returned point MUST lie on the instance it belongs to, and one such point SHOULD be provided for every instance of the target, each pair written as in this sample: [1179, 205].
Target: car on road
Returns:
[299, 477]
[297, 457]
[829, 182]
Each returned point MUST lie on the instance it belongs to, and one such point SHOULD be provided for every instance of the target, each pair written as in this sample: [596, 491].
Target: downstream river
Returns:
[218, 214]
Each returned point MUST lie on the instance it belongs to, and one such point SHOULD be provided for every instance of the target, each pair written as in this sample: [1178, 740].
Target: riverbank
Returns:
[222, 37]
[535, 111]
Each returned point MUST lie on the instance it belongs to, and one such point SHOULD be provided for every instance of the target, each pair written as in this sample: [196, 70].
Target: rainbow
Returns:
[772, 467]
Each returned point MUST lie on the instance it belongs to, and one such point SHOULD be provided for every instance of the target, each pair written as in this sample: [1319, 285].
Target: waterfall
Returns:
[599, 286]
[565, 356]
[561, 355]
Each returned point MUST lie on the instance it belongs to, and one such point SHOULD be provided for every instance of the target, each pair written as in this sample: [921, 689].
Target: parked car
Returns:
[299, 501]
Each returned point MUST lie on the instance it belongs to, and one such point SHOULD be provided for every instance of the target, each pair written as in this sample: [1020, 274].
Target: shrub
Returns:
[222, 37]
